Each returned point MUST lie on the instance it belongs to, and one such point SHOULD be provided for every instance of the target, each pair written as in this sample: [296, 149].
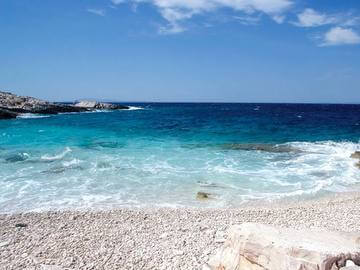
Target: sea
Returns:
[163, 154]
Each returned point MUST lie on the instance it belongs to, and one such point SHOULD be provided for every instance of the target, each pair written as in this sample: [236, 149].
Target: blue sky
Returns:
[182, 50]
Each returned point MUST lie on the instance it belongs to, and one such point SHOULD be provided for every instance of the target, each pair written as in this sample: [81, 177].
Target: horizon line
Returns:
[213, 102]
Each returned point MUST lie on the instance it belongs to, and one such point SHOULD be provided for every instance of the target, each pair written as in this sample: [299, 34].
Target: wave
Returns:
[167, 176]
[57, 157]
[134, 108]
[273, 148]
[32, 116]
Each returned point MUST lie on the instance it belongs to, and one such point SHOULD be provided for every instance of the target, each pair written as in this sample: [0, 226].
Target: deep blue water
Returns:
[163, 154]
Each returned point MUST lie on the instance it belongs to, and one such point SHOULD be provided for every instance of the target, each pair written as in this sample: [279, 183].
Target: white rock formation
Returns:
[253, 246]
[86, 104]
[99, 105]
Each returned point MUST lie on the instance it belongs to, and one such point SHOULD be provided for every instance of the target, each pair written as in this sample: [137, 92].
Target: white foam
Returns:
[74, 161]
[134, 108]
[167, 176]
[31, 116]
[57, 157]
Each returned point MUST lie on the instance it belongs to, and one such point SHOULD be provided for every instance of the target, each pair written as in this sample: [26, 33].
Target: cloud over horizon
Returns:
[175, 12]
[340, 36]
[342, 27]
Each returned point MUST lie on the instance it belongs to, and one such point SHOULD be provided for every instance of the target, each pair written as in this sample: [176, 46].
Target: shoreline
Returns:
[152, 238]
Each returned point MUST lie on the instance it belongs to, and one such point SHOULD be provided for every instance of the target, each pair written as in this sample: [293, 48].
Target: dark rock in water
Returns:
[108, 144]
[98, 145]
[100, 105]
[271, 148]
[203, 195]
[356, 154]
[103, 165]
[358, 164]
[16, 157]
[6, 114]
[21, 225]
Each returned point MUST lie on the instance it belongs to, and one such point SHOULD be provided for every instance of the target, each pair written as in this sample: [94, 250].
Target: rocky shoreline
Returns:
[12, 106]
[152, 238]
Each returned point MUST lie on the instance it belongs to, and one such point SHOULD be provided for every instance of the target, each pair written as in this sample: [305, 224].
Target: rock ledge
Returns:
[252, 246]
[12, 105]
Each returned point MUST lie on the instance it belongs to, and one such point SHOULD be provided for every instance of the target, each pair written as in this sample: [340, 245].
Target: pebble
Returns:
[164, 235]
[151, 238]
[178, 252]
[51, 267]
[4, 243]
[21, 225]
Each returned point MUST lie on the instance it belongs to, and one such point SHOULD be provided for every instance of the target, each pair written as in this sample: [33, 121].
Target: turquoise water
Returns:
[163, 154]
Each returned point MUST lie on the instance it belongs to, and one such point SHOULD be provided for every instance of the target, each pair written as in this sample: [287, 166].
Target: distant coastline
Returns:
[11, 106]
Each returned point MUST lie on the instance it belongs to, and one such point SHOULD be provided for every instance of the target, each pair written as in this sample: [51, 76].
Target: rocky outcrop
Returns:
[253, 246]
[99, 105]
[6, 114]
[203, 196]
[356, 155]
[19, 104]
[11, 105]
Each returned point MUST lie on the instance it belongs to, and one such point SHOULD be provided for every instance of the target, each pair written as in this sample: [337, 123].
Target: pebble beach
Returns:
[152, 238]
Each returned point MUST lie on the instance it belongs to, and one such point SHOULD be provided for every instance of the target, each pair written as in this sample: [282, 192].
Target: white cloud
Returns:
[248, 19]
[171, 28]
[248, 6]
[99, 12]
[351, 21]
[340, 36]
[178, 11]
[312, 18]
[279, 18]
[116, 2]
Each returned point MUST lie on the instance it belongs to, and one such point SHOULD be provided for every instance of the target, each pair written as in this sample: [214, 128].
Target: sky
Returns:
[182, 50]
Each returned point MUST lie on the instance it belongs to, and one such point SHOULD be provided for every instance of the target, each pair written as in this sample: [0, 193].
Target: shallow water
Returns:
[163, 154]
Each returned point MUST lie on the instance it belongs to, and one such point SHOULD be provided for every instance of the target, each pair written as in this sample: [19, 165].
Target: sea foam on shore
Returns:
[164, 154]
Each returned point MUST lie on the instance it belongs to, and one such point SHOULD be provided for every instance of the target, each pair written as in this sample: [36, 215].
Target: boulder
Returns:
[202, 195]
[99, 105]
[356, 154]
[252, 246]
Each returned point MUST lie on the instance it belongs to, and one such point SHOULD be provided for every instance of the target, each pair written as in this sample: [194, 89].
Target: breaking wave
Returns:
[31, 116]
[57, 157]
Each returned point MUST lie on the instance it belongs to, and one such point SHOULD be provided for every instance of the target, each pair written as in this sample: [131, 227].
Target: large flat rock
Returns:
[252, 246]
